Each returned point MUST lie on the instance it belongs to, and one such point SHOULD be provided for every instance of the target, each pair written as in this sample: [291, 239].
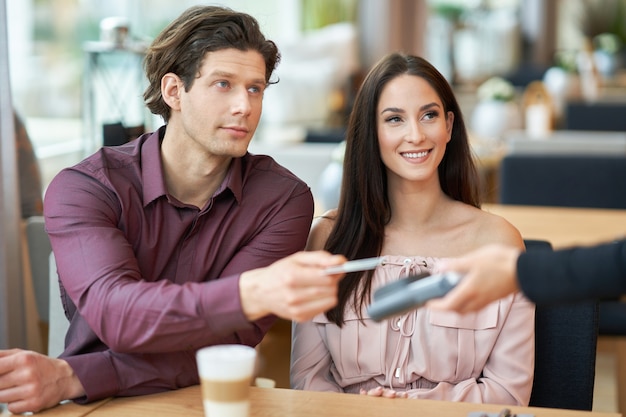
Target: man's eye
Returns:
[222, 84]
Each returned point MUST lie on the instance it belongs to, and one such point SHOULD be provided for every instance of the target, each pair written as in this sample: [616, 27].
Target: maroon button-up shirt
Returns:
[147, 280]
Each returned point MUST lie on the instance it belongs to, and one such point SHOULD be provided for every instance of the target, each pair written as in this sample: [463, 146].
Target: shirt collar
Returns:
[152, 167]
[234, 178]
[154, 179]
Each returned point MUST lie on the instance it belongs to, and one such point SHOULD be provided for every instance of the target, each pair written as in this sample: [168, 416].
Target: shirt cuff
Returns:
[97, 375]
[222, 306]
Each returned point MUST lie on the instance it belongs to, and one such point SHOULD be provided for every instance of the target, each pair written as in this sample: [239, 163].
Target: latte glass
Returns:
[226, 373]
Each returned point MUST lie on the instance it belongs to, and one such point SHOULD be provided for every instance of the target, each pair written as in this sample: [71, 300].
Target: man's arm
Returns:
[573, 274]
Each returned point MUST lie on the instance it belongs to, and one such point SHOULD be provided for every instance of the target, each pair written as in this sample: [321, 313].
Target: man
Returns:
[179, 239]
[575, 274]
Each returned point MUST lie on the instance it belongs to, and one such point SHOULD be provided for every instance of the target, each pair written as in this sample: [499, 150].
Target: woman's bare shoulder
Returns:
[496, 229]
[320, 230]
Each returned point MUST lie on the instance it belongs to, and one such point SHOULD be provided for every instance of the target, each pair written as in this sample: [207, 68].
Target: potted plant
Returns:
[562, 81]
[606, 54]
[496, 110]
[603, 23]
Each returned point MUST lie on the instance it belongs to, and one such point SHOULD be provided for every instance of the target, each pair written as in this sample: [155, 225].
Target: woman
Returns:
[410, 193]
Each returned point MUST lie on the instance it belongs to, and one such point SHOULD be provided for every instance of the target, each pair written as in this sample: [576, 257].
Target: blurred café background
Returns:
[76, 67]
[532, 77]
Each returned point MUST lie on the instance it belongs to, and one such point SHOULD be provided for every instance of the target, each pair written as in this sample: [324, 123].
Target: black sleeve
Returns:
[573, 274]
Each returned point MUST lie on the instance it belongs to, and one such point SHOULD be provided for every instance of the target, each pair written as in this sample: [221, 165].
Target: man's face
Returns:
[221, 110]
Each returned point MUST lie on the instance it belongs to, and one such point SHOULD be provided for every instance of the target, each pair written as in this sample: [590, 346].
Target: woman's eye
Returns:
[222, 84]
[393, 119]
[430, 115]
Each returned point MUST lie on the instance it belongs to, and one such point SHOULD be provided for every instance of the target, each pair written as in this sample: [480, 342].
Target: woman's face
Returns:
[413, 129]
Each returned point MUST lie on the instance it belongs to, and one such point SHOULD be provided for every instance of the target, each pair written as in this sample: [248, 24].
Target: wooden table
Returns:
[67, 409]
[564, 226]
[276, 402]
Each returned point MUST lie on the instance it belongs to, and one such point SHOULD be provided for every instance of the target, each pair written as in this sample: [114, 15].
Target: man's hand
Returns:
[295, 288]
[30, 381]
[490, 273]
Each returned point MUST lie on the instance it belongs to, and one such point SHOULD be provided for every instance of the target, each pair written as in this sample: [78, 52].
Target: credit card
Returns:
[354, 266]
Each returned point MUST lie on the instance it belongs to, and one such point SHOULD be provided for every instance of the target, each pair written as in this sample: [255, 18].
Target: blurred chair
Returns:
[58, 321]
[598, 115]
[596, 181]
[574, 180]
[52, 321]
[565, 351]
[115, 134]
[29, 172]
[39, 250]
[274, 353]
